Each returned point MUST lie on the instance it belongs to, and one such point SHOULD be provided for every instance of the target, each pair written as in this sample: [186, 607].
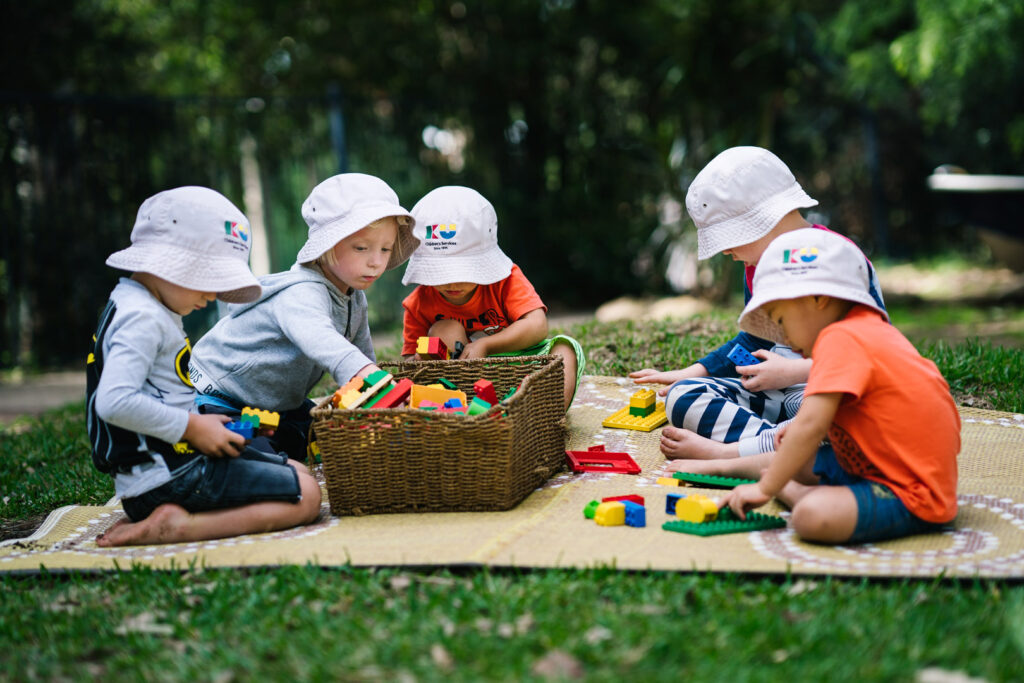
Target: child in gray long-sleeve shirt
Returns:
[181, 476]
[312, 318]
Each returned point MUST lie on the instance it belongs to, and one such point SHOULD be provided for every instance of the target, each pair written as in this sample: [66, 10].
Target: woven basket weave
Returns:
[405, 460]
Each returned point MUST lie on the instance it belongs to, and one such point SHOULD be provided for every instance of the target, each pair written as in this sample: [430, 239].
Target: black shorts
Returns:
[216, 483]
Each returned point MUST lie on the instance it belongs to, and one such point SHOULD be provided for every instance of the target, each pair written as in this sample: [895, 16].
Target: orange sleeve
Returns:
[518, 296]
[415, 322]
[840, 365]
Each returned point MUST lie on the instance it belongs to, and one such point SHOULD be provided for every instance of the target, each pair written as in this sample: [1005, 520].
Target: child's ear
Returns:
[821, 301]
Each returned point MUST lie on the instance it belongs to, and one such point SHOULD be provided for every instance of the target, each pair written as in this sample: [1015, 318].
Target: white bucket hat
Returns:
[458, 233]
[739, 197]
[806, 262]
[346, 203]
[196, 238]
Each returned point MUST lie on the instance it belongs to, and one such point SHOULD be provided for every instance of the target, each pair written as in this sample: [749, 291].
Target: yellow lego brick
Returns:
[621, 419]
[350, 398]
[696, 509]
[183, 447]
[668, 481]
[612, 513]
[266, 418]
[368, 392]
[645, 398]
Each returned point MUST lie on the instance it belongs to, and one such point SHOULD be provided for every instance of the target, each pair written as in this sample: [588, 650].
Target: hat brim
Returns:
[752, 225]
[755, 319]
[484, 268]
[324, 239]
[228, 276]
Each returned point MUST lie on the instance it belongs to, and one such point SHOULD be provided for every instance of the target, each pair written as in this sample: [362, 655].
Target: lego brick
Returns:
[633, 498]
[755, 522]
[640, 412]
[354, 384]
[447, 384]
[439, 396]
[697, 509]
[610, 514]
[396, 396]
[267, 418]
[378, 395]
[644, 398]
[243, 428]
[621, 419]
[478, 406]
[484, 389]
[431, 348]
[670, 502]
[668, 481]
[636, 515]
[741, 357]
[250, 419]
[599, 460]
[590, 509]
[454, 403]
[508, 394]
[711, 480]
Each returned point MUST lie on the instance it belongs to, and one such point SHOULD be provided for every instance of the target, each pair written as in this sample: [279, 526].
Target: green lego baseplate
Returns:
[727, 523]
[712, 480]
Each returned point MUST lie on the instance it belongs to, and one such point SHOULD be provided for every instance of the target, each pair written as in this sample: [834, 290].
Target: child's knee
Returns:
[818, 516]
[448, 328]
[311, 497]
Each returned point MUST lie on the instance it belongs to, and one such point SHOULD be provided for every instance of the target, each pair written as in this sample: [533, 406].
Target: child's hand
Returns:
[474, 349]
[207, 434]
[774, 372]
[744, 498]
[652, 376]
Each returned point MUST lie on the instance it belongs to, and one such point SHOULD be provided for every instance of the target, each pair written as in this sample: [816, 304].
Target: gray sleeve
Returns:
[132, 345]
[304, 314]
[360, 327]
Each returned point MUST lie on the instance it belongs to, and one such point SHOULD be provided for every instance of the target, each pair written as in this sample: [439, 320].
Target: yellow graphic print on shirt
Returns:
[181, 363]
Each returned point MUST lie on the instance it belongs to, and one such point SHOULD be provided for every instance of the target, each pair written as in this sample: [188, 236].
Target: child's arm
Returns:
[798, 446]
[207, 434]
[530, 329]
[667, 377]
[122, 401]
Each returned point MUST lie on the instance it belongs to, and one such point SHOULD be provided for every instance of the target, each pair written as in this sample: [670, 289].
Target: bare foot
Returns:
[678, 443]
[164, 525]
[716, 467]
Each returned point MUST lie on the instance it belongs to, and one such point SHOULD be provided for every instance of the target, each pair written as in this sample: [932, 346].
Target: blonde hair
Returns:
[327, 258]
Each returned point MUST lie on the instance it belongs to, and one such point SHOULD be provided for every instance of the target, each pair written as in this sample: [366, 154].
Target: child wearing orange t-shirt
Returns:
[470, 293]
[889, 468]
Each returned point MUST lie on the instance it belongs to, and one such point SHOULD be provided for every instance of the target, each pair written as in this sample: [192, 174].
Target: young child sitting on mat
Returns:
[742, 200]
[470, 292]
[181, 476]
[312, 318]
[889, 468]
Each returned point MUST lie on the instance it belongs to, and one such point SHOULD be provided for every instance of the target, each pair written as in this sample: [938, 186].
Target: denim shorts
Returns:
[880, 513]
[210, 483]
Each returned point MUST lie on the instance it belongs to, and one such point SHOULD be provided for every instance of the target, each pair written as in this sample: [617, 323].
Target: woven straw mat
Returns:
[549, 530]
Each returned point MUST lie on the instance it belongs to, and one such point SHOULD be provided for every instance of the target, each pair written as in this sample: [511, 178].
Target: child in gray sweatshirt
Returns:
[310, 319]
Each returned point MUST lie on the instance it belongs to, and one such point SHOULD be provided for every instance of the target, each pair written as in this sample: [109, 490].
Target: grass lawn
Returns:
[601, 624]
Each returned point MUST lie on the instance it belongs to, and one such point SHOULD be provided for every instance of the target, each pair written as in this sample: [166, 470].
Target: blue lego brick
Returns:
[636, 515]
[243, 428]
[740, 356]
[670, 502]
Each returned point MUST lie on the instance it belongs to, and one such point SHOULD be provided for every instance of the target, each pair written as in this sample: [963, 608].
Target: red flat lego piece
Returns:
[633, 498]
[396, 396]
[599, 460]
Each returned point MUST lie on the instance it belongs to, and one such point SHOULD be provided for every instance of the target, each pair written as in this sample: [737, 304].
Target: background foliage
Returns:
[582, 120]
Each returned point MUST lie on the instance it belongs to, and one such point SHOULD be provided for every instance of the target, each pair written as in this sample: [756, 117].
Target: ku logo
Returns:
[802, 255]
[441, 231]
[236, 230]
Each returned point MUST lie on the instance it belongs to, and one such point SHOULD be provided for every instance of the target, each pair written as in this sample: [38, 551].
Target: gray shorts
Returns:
[217, 483]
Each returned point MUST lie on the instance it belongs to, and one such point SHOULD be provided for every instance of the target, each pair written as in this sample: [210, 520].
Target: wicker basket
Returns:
[405, 460]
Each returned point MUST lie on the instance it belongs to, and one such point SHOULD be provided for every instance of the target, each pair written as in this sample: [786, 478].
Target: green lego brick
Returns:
[447, 384]
[727, 524]
[712, 480]
[590, 509]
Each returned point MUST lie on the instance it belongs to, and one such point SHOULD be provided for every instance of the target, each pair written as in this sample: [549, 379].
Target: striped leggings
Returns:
[720, 409]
